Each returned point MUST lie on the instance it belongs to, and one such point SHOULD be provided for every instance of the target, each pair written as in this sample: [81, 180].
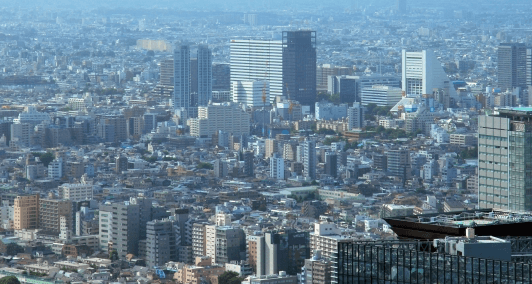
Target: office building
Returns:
[349, 88]
[331, 164]
[204, 75]
[325, 70]
[150, 122]
[503, 146]
[162, 242]
[470, 258]
[251, 93]
[276, 166]
[282, 251]
[299, 66]
[512, 66]
[381, 95]
[249, 163]
[329, 111]
[221, 77]
[181, 99]
[26, 212]
[355, 116]
[422, 73]
[226, 117]
[50, 213]
[309, 159]
[258, 60]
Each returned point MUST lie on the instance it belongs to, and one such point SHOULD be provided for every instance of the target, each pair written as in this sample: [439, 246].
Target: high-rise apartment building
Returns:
[355, 116]
[50, 212]
[258, 60]
[309, 159]
[276, 166]
[26, 214]
[398, 161]
[512, 66]
[204, 75]
[181, 100]
[214, 117]
[166, 77]
[123, 225]
[422, 73]
[299, 66]
[162, 241]
[504, 149]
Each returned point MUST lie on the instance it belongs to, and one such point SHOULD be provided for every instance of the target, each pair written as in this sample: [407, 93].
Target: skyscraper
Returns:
[309, 159]
[299, 66]
[204, 75]
[181, 102]
[512, 66]
[258, 60]
[504, 152]
[282, 251]
[422, 73]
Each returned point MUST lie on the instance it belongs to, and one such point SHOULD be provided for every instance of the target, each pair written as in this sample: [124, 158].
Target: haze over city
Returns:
[265, 142]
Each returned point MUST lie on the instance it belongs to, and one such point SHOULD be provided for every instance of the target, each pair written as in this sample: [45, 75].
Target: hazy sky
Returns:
[254, 4]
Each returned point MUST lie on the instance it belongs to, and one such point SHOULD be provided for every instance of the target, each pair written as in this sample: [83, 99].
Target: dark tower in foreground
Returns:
[299, 66]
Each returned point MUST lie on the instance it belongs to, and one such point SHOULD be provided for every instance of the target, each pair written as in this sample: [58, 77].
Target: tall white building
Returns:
[226, 117]
[309, 159]
[250, 93]
[422, 72]
[276, 166]
[181, 101]
[258, 60]
[381, 95]
[355, 115]
[55, 169]
[204, 75]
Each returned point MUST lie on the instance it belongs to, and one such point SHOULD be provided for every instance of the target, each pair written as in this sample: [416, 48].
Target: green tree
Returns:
[229, 277]
[202, 165]
[113, 255]
[9, 280]
[13, 249]
[46, 158]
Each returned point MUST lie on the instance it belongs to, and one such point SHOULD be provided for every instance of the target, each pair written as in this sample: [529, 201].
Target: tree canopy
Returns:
[229, 277]
[9, 280]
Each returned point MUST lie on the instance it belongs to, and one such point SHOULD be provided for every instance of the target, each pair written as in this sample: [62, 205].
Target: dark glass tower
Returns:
[299, 66]
[511, 69]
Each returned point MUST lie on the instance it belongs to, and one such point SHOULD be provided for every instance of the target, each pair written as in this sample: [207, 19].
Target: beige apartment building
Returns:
[26, 212]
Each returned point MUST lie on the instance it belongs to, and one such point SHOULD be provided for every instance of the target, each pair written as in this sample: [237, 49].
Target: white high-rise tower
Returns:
[422, 72]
